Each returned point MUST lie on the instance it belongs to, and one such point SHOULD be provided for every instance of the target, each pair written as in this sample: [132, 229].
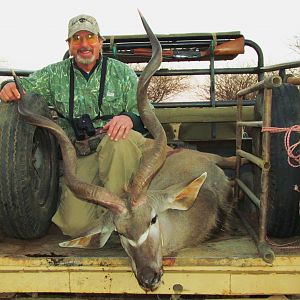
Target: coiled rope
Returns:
[292, 152]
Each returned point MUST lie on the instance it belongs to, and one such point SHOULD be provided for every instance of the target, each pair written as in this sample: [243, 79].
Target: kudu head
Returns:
[135, 215]
[139, 227]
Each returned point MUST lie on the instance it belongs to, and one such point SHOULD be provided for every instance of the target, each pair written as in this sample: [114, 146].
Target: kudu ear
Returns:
[183, 197]
[94, 240]
[96, 237]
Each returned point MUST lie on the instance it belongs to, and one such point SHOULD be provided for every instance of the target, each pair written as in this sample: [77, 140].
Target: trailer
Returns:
[258, 256]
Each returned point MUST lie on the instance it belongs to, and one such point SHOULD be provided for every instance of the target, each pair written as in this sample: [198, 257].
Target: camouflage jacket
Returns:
[53, 81]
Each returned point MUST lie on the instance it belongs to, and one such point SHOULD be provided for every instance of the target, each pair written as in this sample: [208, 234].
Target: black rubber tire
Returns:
[29, 173]
[283, 201]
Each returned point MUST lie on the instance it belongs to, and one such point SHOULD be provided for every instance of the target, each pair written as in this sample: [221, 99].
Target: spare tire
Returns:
[283, 216]
[29, 172]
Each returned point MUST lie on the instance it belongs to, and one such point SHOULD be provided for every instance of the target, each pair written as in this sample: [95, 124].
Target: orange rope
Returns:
[293, 159]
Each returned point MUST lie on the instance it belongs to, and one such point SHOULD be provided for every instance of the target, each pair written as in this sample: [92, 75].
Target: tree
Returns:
[296, 48]
[227, 86]
[162, 88]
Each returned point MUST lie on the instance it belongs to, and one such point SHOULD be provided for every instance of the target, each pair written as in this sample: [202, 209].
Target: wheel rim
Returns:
[41, 166]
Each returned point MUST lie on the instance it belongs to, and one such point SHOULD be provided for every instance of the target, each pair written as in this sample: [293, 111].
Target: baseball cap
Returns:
[83, 22]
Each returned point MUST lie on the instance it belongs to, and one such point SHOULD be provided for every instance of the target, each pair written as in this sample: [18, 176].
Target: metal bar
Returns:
[177, 72]
[162, 72]
[250, 123]
[266, 138]
[166, 72]
[212, 85]
[248, 227]
[238, 146]
[212, 73]
[201, 103]
[248, 192]
[264, 250]
[7, 72]
[268, 82]
[293, 80]
[282, 74]
[288, 65]
[260, 58]
[254, 159]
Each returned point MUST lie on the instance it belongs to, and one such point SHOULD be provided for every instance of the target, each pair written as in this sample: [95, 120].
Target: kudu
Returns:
[161, 210]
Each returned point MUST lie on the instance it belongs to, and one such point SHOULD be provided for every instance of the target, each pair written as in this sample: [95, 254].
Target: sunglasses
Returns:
[90, 38]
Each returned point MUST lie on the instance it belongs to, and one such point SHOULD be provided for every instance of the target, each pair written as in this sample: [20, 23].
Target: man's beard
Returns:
[85, 61]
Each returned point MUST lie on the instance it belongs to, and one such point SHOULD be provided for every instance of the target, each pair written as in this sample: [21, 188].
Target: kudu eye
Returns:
[154, 219]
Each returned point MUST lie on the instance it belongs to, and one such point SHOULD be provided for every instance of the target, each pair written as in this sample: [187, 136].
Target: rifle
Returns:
[230, 48]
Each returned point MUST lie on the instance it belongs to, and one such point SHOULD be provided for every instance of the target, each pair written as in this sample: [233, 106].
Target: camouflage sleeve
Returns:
[38, 82]
[136, 121]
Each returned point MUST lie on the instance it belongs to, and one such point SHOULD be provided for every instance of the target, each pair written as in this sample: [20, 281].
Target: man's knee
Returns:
[134, 140]
[118, 161]
[74, 216]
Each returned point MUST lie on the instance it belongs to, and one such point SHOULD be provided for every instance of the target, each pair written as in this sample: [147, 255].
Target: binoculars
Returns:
[83, 127]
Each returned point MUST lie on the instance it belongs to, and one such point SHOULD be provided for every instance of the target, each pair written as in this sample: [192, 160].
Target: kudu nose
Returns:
[149, 279]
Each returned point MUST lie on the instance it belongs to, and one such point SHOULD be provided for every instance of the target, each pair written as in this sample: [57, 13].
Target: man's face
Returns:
[85, 47]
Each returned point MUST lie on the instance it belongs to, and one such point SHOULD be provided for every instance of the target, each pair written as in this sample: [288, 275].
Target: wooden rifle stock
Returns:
[233, 47]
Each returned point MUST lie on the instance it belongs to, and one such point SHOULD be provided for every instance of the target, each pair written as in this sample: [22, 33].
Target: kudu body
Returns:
[174, 201]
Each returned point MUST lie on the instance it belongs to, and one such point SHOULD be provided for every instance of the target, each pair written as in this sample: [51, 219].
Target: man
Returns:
[74, 88]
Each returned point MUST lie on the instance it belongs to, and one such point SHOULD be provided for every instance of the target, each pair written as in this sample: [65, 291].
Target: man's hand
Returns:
[9, 93]
[118, 127]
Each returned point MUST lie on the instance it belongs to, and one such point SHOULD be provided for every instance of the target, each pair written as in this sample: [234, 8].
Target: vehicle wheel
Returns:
[283, 201]
[29, 173]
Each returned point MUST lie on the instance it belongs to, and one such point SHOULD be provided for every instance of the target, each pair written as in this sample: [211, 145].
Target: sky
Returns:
[33, 32]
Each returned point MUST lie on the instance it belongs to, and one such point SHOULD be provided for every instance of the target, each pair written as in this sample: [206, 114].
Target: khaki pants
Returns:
[112, 166]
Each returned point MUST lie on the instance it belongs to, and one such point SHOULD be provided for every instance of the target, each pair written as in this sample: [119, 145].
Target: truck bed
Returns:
[226, 265]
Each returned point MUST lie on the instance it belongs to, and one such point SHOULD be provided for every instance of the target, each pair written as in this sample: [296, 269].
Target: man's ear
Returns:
[183, 197]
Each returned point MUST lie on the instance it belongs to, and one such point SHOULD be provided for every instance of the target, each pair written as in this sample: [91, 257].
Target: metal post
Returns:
[239, 133]
[212, 83]
[267, 84]
[266, 138]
